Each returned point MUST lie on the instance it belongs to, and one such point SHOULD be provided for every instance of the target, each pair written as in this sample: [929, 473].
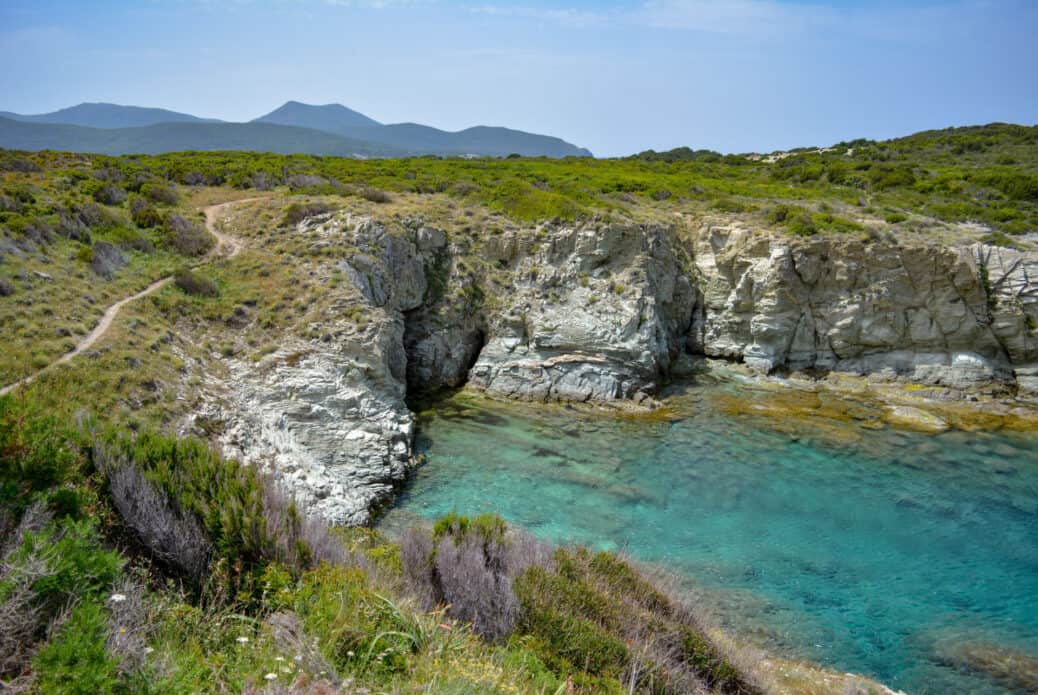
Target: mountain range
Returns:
[330, 129]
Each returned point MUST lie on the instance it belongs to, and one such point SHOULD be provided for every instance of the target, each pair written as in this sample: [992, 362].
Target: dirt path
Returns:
[226, 246]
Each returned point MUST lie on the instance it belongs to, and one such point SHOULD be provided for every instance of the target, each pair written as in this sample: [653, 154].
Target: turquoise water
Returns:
[870, 551]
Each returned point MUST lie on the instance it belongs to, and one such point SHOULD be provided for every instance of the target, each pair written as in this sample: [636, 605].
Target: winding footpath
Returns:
[226, 246]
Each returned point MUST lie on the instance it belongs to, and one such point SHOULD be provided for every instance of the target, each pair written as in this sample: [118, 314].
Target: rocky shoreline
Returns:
[605, 313]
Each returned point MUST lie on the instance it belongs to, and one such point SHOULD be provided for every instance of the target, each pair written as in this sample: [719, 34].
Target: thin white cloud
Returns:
[376, 4]
[764, 19]
[755, 17]
[561, 15]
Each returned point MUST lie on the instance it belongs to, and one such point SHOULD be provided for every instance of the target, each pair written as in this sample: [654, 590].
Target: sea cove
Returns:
[908, 557]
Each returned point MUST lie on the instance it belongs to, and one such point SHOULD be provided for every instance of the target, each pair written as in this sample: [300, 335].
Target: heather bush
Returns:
[106, 259]
[72, 227]
[186, 237]
[109, 194]
[21, 616]
[173, 536]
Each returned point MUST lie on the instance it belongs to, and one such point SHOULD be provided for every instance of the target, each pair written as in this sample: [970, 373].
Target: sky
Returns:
[617, 77]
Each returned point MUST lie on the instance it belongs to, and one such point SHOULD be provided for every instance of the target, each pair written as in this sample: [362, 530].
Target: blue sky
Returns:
[617, 77]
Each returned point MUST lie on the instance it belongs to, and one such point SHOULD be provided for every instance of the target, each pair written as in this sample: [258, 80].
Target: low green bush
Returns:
[75, 661]
[162, 193]
[194, 283]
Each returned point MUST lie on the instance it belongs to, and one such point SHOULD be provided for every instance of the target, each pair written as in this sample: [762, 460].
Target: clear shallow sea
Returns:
[879, 552]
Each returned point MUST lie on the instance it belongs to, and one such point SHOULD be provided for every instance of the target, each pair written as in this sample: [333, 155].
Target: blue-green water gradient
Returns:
[875, 553]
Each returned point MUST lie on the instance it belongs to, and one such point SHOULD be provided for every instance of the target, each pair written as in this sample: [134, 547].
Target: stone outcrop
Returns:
[327, 417]
[599, 312]
[591, 314]
[956, 317]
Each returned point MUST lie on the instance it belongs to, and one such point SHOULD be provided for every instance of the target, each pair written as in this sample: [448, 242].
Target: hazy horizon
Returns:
[616, 77]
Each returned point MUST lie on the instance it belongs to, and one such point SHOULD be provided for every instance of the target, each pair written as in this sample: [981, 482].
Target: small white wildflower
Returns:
[279, 658]
[117, 598]
[349, 653]
[148, 650]
[298, 657]
[271, 676]
[242, 640]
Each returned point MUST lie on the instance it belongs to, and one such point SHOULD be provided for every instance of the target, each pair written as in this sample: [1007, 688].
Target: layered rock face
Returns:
[328, 416]
[957, 317]
[598, 312]
[591, 314]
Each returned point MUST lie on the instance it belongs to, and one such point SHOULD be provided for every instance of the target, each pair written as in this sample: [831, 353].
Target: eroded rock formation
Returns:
[598, 312]
[957, 317]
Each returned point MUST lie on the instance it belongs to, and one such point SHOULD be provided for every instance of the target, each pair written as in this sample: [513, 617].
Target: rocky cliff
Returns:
[598, 312]
[957, 317]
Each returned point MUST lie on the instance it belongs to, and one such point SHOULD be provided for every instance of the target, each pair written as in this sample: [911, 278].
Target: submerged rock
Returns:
[1010, 667]
[915, 418]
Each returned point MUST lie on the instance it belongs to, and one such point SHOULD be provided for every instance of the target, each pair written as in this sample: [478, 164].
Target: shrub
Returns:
[297, 212]
[160, 193]
[729, 205]
[92, 215]
[780, 213]
[72, 227]
[75, 660]
[468, 565]
[38, 453]
[21, 618]
[144, 213]
[896, 217]
[174, 537]
[299, 181]
[186, 237]
[78, 565]
[886, 176]
[109, 194]
[801, 224]
[375, 195]
[194, 284]
[105, 259]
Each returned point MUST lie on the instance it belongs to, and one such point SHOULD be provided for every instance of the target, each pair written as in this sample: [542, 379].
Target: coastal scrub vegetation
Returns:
[983, 174]
[139, 562]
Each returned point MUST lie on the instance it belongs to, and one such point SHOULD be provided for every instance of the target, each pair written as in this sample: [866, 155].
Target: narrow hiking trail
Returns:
[226, 246]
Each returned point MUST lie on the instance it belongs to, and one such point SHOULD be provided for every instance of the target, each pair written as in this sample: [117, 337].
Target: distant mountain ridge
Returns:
[103, 115]
[331, 117]
[294, 127]
[175, 137]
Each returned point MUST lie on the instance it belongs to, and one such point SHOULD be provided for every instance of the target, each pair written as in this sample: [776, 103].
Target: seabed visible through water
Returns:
[910, 558]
